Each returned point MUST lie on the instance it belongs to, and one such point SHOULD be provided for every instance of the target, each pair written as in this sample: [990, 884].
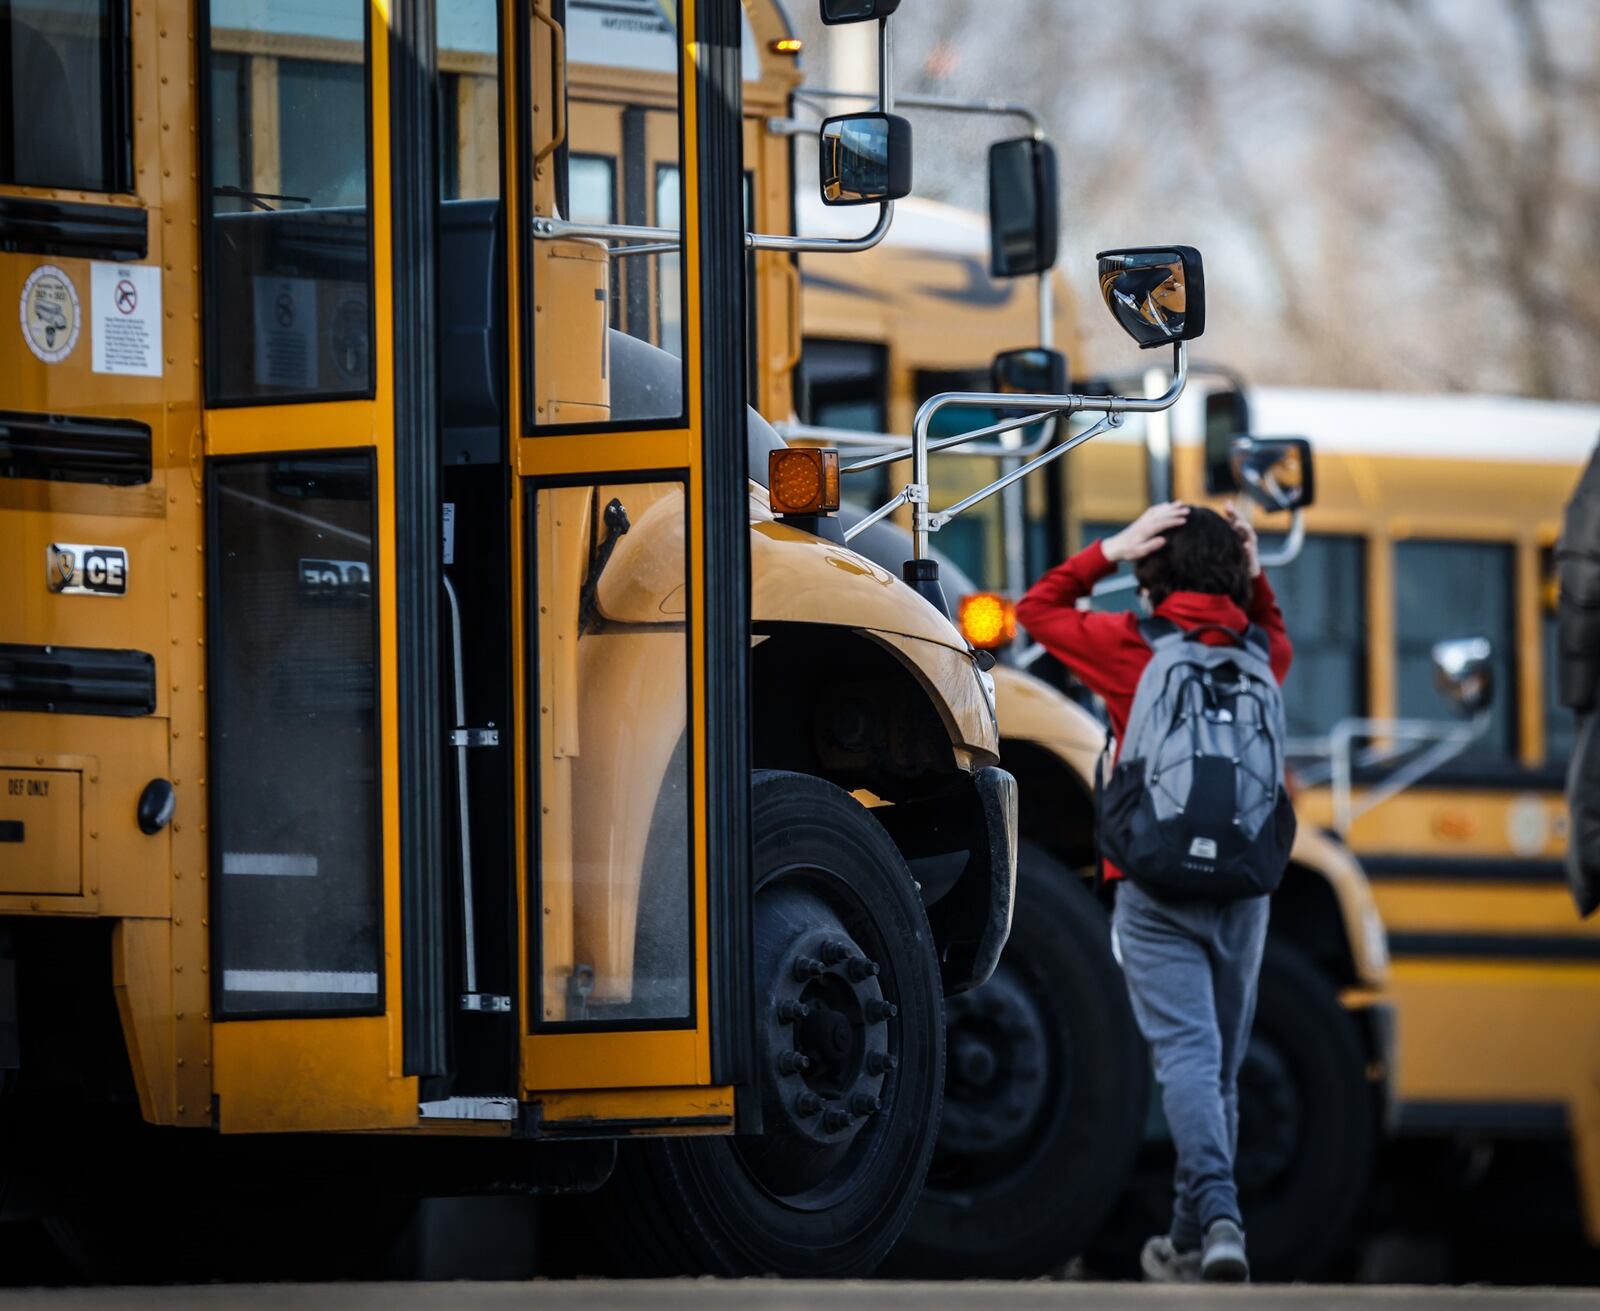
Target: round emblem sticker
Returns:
[50, 316]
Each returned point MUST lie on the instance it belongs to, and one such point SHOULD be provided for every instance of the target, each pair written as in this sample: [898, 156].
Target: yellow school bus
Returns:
[881, 337]
[434, 760]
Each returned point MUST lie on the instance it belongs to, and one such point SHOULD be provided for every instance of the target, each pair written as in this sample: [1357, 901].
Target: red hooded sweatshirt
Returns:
[1105, 651]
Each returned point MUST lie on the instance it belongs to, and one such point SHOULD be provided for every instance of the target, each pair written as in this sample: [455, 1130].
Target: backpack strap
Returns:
[1159, 631]
[1255, 637]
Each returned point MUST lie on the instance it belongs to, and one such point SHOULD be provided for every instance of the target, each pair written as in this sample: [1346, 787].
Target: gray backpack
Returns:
[1196, 806]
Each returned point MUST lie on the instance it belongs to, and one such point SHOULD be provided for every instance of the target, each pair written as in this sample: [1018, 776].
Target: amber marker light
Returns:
[987, 619]
[803, 480]
[788, 45]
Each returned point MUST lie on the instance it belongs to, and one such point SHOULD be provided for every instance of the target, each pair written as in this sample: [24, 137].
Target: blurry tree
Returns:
[1389, 193]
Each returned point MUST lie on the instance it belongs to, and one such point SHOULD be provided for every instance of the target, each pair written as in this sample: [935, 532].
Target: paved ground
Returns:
[772, 1295]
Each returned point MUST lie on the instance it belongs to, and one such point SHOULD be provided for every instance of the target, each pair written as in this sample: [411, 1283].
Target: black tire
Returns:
[1045, 1095]
[783, 1202]
[1306, 1135]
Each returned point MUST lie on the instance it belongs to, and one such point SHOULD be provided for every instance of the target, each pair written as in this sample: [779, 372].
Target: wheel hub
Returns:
[827, 1037]
[995, 1084]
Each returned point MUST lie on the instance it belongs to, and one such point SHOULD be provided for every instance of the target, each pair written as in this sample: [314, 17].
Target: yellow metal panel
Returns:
[1441, 821]
[642, 1104]
[44, 852]
[555, 1060]
[283, 1076]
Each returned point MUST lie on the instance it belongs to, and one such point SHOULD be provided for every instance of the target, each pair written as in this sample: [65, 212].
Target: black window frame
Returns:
[533, 875]
[116, 98]
[210, 311]
[215, 640]
[527, 241]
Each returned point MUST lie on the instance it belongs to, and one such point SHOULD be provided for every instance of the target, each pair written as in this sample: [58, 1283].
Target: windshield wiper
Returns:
[258, 198]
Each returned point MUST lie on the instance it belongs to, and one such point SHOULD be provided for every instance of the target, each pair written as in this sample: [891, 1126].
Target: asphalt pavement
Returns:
[775, 1295]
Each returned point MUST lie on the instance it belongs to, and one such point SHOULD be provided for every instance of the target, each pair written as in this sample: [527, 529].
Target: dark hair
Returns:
[1203, 554]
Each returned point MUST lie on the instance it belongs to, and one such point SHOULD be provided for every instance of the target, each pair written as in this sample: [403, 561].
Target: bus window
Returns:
[1324, 600]
[631, 48]
[65, 91]
[592, 188]
[1560, 728]
[469, 99]
[294, 735]
[1455, 589]
[288, 268]
[845, 384]
[974, 541]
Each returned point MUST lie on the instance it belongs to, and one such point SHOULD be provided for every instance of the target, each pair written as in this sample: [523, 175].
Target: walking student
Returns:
[1195, 815]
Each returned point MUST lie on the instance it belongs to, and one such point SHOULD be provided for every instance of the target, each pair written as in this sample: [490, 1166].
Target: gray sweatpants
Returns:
[1192, 969]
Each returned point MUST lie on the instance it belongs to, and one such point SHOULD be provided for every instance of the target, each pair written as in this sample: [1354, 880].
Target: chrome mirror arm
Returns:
[1292, 545]
[1113, 407]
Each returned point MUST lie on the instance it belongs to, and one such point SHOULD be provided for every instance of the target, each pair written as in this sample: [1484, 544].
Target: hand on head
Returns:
[1247, 535]
[1146, 533]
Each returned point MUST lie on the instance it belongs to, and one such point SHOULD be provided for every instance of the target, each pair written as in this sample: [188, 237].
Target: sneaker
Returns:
[1163, 1263]
[1222, 1258]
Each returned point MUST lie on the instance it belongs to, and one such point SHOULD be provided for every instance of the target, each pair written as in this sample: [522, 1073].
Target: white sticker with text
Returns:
[127, 318]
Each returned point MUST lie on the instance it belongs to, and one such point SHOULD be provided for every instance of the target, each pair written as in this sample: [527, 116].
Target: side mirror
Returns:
[1277, 473]
[1157, 294]
[835, 12]
[1227, 418]
[866, 159]
[1034, 369]
[1024, 207]
[1463, 673]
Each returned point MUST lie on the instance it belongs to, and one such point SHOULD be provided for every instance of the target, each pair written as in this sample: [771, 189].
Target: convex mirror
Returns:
[866, 159]
[1024, 207]
[1277, 473]
[1463, 671]
[1157, 294]
[1227, 418]
[1034, 369]
[835, 12]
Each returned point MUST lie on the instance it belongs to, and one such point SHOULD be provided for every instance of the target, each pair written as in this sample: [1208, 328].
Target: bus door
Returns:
[622, 828]
[300, 539]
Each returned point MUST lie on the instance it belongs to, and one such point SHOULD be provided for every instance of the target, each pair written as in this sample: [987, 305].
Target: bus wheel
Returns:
[850, 1063]
[1045, 1095]
[1305, 1159]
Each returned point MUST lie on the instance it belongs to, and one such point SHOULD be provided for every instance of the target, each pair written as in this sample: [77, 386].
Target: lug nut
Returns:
[793, 1062]
[807, 967]
[835, 1120]
[879, 1011]
[862, 969]
[864, 1104]
[790, 1011]
[834, 951]
[807, 1103]
[881, 1062]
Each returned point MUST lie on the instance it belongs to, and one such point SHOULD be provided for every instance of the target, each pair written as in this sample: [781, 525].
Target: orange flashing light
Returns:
[987, 620]
[803, 480]
[788, 45]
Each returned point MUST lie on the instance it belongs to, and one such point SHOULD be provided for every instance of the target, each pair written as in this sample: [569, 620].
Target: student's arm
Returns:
[1084, 640]
[1264, 610]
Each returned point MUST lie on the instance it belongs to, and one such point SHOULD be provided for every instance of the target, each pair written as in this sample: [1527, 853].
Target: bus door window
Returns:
[1447, 589]
[65, 95]
[974, 541]
[845, 384]
[288, 267]
[631, 48]
[294, 736]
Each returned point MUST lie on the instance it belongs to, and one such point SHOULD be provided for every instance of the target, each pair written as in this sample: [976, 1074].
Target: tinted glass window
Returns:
[288, 272]
[1323, 596]
[845, 384]
[64, 94]
[1456, 589]
[615, 854]
[294, 736]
